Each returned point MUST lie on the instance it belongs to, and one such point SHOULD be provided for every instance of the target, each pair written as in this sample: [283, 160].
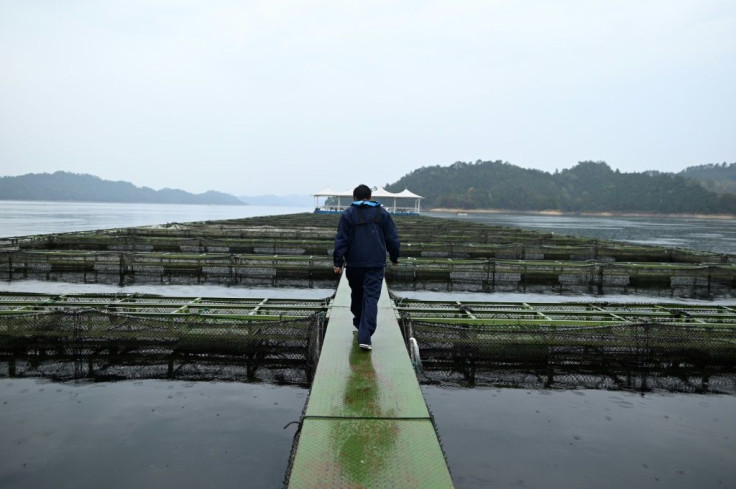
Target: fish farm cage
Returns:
[132, 336]
[674, 347]
[108, 336]
[295, 251]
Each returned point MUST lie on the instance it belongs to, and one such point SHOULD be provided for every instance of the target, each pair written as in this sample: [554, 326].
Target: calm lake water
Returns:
[24, 218]
[716, 235]
[145, 434]
[585, 438]
[176, 434]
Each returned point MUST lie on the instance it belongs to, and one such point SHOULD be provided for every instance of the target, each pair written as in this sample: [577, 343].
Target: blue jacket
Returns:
[366, 231]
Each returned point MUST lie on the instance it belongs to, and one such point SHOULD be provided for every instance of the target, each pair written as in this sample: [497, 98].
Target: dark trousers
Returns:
[365, 287]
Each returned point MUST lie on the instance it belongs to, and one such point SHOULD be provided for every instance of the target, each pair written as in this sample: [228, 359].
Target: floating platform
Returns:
[437, 254]
[310, 234]
[697, 280]
[138, 335]
[366, 423]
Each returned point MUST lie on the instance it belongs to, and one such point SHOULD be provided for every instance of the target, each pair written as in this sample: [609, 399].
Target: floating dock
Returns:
[437, 254]
[366, 423]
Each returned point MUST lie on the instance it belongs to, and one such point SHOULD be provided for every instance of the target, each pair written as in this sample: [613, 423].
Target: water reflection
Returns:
[600, 375]
[530, 366]
[585, 438]
[165, 367]
[145, 434]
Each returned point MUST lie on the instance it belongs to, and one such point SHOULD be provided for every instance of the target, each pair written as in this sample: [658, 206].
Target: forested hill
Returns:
[587, 187]
[716, 177]
[64, 186]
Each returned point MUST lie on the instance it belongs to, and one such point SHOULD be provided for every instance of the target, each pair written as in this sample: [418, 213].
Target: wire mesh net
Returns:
[75, 343]
[639, 356]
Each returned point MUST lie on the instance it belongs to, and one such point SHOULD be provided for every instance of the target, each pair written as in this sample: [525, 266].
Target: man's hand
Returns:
[394, 263]
[337, 270]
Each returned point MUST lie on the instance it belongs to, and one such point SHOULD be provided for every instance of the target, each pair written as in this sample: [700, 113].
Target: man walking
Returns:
[364, 234]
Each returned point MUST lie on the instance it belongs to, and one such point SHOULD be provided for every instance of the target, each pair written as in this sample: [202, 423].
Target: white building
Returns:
[405, 202]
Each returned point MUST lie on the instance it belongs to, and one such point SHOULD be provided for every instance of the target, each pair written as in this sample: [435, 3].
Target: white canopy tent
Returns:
[404, 202]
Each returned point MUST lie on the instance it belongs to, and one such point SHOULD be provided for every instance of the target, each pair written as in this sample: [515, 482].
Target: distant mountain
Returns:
[587, 187]
[716, 177]
[65, 186]
[291, 200]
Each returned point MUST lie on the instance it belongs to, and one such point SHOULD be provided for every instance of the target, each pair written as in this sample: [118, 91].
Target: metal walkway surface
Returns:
[366, 424]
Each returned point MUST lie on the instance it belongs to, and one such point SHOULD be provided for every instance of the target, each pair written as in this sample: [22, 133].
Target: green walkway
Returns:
[366, 423]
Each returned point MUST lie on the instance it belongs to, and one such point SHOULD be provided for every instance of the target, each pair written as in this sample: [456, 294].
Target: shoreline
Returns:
[579, 214]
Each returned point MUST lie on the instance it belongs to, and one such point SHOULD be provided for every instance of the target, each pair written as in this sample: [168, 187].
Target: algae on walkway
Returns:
[366, 423]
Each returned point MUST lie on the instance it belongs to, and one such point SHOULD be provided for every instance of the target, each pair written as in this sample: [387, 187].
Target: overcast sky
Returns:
[254, 97]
